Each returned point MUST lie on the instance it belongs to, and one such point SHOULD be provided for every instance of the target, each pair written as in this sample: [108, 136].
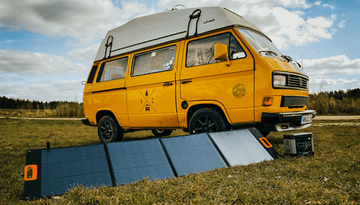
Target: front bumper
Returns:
[85, 121]
[287, 121]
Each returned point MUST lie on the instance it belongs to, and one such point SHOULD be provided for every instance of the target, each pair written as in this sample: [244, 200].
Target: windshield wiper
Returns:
[267, 51]
[287, 58]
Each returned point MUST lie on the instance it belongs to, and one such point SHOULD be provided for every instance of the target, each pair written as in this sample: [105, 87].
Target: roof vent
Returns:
[175, 7]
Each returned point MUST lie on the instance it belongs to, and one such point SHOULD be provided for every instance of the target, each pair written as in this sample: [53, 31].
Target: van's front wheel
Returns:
[109, 130]
[206, 120]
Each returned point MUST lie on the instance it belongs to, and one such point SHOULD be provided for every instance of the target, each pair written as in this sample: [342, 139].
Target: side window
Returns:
[154, 61]
[201, 52]
[235, 50]
[92, 74]
[113, 70]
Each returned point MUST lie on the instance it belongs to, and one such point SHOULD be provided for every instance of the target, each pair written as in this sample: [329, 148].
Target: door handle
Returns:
[168, 84]
[186, 81]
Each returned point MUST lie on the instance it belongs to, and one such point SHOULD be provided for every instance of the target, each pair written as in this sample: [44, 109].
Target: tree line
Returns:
[336, 102]
[338, 95]
[10, 103]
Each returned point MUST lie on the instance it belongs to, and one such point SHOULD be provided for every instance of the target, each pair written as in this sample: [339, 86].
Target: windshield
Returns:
[259, 42]
[264, 46]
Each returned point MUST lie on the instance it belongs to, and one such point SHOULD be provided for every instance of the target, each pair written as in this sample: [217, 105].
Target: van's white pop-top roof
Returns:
[167, 26]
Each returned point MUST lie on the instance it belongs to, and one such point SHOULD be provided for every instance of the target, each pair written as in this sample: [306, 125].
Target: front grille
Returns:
[296, 81]
[294, 101]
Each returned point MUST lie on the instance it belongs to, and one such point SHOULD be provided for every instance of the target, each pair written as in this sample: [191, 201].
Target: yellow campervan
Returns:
[201, 70]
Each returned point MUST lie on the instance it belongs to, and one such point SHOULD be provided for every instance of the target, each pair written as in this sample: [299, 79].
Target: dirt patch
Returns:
[337, 124]
[351, 117]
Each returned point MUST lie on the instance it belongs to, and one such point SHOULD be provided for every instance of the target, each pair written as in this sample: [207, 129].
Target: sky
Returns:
[47, 46]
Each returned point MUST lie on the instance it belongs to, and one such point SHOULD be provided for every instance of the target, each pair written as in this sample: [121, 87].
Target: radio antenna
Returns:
[302, 63]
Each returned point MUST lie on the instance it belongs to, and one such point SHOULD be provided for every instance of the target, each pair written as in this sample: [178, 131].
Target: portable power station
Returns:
[299, 144]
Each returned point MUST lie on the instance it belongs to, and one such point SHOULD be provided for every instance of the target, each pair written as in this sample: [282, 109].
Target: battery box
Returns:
[299, 144]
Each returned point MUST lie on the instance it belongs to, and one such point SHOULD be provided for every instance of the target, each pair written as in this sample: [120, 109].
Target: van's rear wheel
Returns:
[206, 120]
[109, 130]
[160, 133]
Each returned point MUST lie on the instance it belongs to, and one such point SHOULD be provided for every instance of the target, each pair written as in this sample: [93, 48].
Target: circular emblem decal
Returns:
[239, 90]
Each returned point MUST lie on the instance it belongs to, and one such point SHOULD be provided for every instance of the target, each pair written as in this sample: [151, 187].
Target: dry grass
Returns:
[62, 110]
[331, 176]
[325, 105]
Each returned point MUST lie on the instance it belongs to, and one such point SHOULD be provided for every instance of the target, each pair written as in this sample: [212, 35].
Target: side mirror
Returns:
[221, 53]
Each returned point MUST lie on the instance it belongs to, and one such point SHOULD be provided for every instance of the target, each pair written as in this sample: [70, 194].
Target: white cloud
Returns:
[131, 9]
[341, 24]
[328, 84]
[6, 41]
[333, 73]
[64, 90]
[82, 20]
[328, 6]
[22, 62]
[331, 82]
[87, 54]
[318, 3]
[332, 66]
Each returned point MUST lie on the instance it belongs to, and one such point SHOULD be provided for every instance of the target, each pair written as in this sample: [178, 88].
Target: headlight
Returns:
[279, 81]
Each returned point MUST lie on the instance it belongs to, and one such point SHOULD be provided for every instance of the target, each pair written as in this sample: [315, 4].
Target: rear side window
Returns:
[92, 74]
[154, 61]
[113, 70]
[201, 52]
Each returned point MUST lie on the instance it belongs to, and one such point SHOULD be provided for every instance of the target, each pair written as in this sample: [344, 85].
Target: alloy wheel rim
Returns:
[106, 130]
[205, 124]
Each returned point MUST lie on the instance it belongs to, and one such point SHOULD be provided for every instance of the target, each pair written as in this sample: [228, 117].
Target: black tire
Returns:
[109, 130]
[159, 133]
[206, 120]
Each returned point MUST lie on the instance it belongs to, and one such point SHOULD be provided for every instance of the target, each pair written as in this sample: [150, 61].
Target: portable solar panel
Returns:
[58, 170]
[134, 160]
[242, 147]
[51, 172]
[192, 153]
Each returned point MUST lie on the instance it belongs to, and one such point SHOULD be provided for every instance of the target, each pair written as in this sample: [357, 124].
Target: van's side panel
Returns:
[232, 86]
[108, 95]
[181, 112]
[151, 97]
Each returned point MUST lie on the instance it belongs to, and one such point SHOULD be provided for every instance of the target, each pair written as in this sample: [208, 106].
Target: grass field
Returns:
[331, 176]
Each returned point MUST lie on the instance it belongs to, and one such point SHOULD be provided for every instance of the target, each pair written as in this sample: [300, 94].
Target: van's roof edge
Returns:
[159, 28]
